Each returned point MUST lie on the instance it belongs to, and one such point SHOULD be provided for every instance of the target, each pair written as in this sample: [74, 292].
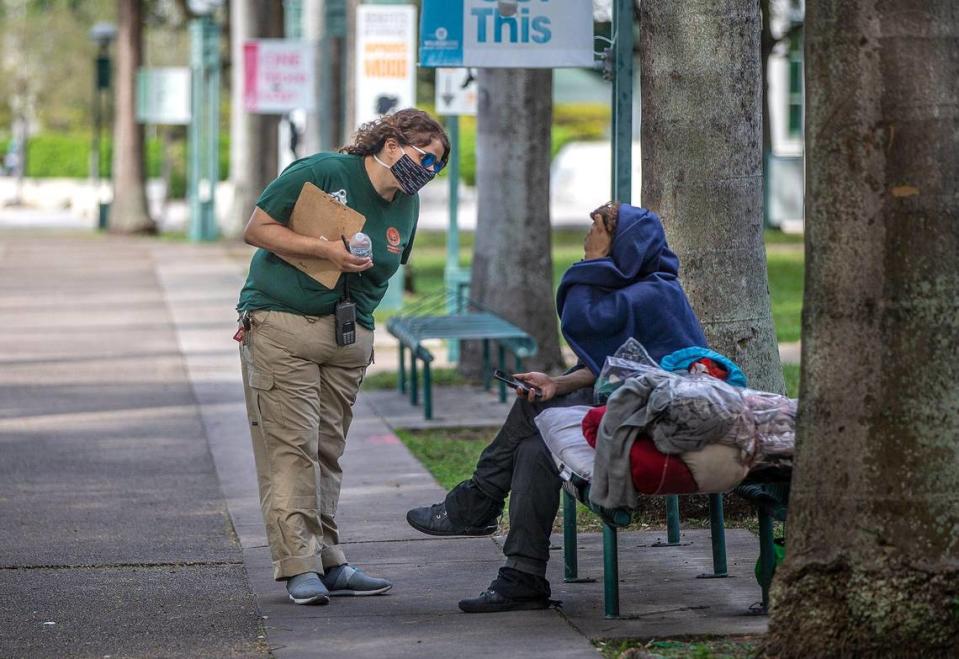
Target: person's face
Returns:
[598, 240]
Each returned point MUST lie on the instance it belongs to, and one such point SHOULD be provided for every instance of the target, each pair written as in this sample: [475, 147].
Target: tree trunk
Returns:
[766, 44]
[253, 137]
[128, 213]
[512, 262]
[873, 560]
[702, 168]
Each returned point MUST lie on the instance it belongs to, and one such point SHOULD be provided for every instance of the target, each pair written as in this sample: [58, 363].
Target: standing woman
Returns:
[300, 385]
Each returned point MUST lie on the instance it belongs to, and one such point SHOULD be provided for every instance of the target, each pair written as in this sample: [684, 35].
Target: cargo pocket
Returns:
[267, 406]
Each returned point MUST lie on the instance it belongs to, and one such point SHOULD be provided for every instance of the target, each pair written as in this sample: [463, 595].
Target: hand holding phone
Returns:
[513, 383]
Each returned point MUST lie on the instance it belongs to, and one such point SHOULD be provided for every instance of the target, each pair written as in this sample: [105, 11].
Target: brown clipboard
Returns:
[320, 215]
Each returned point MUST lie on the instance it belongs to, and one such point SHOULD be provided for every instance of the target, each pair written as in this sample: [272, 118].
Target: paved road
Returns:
[115, 534]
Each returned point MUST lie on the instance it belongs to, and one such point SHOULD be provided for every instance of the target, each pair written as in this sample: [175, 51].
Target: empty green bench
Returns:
[469, 321]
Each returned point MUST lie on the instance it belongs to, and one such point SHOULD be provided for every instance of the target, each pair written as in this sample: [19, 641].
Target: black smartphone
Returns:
[516, 384]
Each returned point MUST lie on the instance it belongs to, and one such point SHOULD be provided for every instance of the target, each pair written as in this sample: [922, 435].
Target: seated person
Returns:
[626, 286]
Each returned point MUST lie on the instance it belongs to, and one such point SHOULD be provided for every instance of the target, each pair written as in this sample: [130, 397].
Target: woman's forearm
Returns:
[263, 231]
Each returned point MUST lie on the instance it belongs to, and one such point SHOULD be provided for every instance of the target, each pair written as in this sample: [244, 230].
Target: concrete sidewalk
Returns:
[126, 444]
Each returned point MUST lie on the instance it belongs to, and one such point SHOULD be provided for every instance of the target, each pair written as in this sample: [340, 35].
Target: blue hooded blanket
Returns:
[634, 292]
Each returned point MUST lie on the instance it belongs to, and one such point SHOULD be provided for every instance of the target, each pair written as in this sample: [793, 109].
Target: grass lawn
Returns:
[715, 648]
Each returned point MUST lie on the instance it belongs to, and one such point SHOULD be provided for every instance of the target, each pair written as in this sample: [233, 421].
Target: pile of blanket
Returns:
[665, 432]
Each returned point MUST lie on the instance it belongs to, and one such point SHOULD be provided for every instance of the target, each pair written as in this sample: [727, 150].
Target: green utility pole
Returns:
[293, 19]
[102, 34]
[622, 54]
[452, 271]
[204, 127]
[455, 277]
[331, 103]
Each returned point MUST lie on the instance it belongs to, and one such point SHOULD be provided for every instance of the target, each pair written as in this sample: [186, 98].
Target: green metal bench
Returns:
[769, 499]
[468, 320]
[612, 521]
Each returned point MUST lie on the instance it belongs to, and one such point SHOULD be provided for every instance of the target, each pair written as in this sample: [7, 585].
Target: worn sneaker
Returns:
[307, 588]
[434, 520]
[489, 601]
[348, 580]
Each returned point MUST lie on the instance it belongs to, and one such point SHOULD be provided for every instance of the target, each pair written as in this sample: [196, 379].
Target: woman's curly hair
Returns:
[609, 214]
[409, 126]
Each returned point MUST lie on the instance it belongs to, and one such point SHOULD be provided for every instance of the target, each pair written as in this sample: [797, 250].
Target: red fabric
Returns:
[657, 473]
[591, 424]
[653, 472]
[712, 368]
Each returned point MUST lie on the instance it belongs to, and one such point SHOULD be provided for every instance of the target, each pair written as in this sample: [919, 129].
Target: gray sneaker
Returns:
[348, 580]
[307, 588]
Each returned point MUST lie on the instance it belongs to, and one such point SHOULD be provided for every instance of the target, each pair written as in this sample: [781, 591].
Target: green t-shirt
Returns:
[275, 284]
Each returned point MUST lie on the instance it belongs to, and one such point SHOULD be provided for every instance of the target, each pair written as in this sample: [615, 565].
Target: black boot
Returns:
[511, 590]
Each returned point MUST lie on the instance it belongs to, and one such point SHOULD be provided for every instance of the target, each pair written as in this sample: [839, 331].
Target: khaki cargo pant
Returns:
[300, 388]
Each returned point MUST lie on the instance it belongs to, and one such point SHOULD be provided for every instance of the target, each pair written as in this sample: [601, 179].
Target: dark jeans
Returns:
[516, 463]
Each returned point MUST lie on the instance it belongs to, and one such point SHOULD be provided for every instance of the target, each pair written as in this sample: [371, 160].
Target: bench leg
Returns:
[502, 366]
[414, 381]
[427, 392]
[570, 559]
[487, 378]
[610, 571]
[767, 556]
[672, 519]
[717, 530]
[401, 373]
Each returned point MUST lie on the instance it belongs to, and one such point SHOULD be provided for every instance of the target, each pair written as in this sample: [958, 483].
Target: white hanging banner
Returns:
[278, 76]
[385, 60]
[507, 33]
[455, 92]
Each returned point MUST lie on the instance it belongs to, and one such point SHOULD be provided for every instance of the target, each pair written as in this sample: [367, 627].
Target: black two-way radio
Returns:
[344, 312]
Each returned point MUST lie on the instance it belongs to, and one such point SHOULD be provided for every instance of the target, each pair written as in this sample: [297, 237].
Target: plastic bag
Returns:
[687, 411]
[629, 360]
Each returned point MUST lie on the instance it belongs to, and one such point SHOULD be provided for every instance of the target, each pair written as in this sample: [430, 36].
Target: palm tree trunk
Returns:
[512, 262]
[128, 213]
[702, 168]
[873, 557]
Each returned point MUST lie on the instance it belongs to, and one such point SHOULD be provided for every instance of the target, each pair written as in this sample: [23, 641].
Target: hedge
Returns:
[64, 155]
[60, 155]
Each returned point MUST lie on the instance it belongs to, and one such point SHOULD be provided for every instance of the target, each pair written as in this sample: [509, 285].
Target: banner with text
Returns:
[507, 34]
[278, 76]
[385, 60]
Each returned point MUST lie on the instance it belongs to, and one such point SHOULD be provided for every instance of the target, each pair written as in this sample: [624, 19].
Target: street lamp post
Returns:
[205, 119]
[102, 34]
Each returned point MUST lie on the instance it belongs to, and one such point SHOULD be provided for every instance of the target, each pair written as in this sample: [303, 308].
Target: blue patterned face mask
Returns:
[410, 175]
